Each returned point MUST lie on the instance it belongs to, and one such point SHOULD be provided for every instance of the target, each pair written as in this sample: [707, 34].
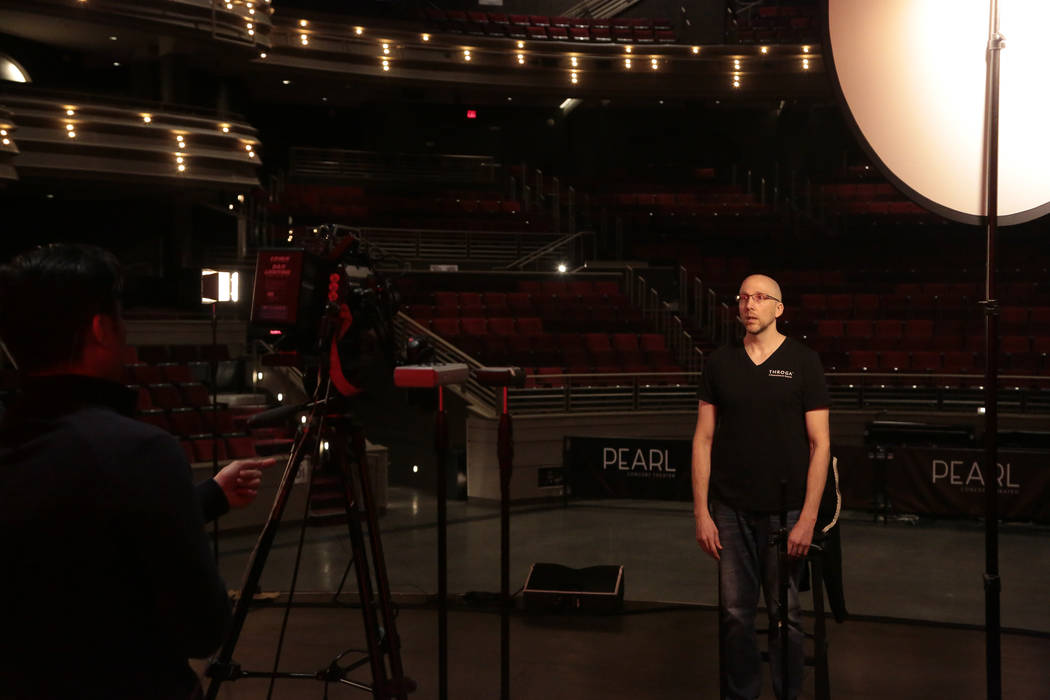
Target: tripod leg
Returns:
[291, 588]
[380, 629]
[220, 668]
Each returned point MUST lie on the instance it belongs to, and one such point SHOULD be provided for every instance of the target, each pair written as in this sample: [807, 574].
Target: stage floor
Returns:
[927, 577]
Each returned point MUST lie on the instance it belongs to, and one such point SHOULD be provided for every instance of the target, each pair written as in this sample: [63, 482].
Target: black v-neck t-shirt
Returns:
[760, 431]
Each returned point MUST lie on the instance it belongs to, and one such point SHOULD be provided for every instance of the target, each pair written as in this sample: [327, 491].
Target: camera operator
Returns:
[108, 583]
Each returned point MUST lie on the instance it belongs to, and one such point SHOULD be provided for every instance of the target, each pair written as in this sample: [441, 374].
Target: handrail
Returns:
[484, 397]
[547, 249]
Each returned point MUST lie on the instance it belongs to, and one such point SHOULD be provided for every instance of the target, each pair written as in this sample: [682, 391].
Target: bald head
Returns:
[761, 283]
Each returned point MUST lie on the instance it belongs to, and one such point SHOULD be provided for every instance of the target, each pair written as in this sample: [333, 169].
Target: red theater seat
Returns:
[240, 447]
[165, 396]
[186, 421]
[195, 395]
[502, 326]
[446, 327]
[474, 326]
[206, 449]
[530, 326]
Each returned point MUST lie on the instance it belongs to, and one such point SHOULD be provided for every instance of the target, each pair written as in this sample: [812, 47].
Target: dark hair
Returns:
[48, 297]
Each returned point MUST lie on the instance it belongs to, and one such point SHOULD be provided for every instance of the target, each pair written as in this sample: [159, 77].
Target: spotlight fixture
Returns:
[627, 63]
[573, 78]
[573, 61]
[654, 63]
[696, 50]
[521, 59]
[628, 49]
[70, 111]
[386, 64]
[303, 23]
[466, 54]
[805, 49]
[262, 54]
[147, 118]
[386, 49]
[764, 49]
[425, 37]
[805, 64]
[358, 31]
[521, 44]
[225, 128]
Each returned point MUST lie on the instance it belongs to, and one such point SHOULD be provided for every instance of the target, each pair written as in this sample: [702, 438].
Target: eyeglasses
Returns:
[759, 297]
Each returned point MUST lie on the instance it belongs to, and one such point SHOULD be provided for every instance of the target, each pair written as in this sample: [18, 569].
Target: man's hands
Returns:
[800, 537]
[240, 480]
[707, 534]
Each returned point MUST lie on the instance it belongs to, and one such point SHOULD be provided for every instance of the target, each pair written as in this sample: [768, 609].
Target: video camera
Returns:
[323, 305]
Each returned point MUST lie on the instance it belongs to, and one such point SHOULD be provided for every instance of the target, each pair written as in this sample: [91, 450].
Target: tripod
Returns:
[339, 444]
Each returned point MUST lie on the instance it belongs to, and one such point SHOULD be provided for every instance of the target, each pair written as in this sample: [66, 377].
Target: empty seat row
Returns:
[169, 396]
[952, 361]
[189, 421]
[166, 373]
[157, 354]
[230, 447]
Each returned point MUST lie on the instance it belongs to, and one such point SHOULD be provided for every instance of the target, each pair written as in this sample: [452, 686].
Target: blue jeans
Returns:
[748, 561]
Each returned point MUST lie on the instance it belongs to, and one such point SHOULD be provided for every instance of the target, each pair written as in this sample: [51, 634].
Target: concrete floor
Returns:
[930, 571]
[926, 577]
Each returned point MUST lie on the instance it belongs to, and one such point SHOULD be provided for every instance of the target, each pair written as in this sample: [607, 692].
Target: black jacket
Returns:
[107, 583]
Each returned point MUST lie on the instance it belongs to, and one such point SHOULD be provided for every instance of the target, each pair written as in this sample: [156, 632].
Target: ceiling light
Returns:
[116, 64]
[359, 31]
[696, 50]
[626, 63]
[70, 111]
[805, 64]
[521, 59]
[71, 134]
[112, 38]
[573, 78]
[304, 40]
[654, 63]
[628, 49]
[286, 82]
[426, 37]
[764, 49]
[805, 49]
[181, 168]
[521, 44]
[303, 23]
[466, 54]
[262, 55]
[69, 127]
[573, 61]
[147, 118]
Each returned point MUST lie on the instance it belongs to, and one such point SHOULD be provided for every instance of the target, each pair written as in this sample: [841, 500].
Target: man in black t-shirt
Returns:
[763, 420]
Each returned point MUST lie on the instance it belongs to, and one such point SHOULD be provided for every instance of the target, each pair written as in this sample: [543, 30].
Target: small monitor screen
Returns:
[278, 285]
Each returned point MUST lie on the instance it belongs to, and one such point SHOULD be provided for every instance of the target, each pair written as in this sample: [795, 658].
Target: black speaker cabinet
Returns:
[557, 588]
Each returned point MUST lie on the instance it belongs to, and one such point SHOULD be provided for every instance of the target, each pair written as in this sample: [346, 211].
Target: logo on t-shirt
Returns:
[785, 373]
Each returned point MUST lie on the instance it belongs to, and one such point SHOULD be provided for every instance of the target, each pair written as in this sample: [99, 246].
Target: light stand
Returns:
[983, 153]
[431, 377]
[992, 583]
[216, 287]
[504, 377]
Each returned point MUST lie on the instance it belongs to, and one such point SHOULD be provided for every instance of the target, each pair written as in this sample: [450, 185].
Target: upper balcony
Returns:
[68, 135]
[233, 23]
